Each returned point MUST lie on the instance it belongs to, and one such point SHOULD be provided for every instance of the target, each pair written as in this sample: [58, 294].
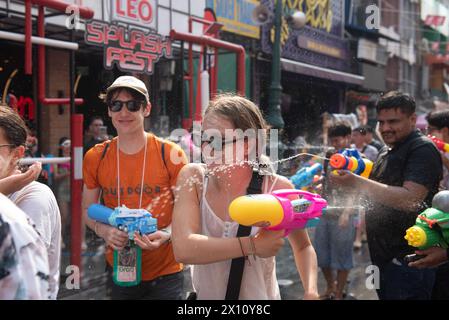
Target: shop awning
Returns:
[320, 72]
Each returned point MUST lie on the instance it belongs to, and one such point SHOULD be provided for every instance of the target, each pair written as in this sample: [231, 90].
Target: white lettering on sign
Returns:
[137, 12]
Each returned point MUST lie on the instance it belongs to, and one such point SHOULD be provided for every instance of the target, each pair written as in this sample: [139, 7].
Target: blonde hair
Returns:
[243, 114]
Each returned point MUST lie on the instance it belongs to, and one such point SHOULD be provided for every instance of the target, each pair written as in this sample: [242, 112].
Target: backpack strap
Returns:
[163, 152]
[163, 158]
[103, 154]
[238, 264]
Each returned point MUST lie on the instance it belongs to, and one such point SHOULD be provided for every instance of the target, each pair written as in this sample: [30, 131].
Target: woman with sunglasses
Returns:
[138, 170]
[203, 233]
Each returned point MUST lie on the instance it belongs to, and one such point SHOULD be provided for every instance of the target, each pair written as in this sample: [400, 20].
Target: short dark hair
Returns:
[368, 129]
[13, 126]
[61, 141]
[361, 130]
[339, 130]
[397, 100]
[438, 119]
[91, 120]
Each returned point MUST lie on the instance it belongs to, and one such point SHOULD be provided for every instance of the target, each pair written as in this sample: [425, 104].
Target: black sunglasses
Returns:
[132, 105]
[213, 141]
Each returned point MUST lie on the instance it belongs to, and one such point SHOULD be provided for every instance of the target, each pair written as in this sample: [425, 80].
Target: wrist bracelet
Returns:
[241, 247]
[253, 246]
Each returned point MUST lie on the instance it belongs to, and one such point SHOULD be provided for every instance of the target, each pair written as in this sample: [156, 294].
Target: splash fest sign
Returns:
[130, 41]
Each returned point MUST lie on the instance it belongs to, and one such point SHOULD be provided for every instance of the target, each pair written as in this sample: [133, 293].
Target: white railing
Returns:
[28, 161]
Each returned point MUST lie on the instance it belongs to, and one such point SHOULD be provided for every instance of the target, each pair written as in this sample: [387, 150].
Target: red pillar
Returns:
[76, 185]
[28, 35]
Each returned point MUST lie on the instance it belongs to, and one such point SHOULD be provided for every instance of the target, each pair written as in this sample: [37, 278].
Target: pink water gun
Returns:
[278, 211]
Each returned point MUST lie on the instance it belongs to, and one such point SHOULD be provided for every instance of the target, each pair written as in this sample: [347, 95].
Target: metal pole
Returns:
[212, 42]
[274, 116]
[38, 40]
[42, 66]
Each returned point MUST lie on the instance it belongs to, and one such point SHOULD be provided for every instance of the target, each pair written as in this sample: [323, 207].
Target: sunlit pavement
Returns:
[291, 288]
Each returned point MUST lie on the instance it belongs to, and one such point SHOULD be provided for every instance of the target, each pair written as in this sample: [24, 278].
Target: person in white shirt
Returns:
[24, 269]
[35, 199]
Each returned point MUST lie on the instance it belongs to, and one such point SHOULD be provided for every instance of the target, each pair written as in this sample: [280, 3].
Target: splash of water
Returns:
[194, 180]
[297, 156]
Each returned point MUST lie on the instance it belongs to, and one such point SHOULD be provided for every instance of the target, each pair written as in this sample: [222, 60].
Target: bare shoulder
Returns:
[279, 182]
[192, 171]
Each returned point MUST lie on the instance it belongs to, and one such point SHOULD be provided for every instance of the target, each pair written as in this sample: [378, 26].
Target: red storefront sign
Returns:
[137, 12]
[131, 50]
[133, 11]
[24, 106]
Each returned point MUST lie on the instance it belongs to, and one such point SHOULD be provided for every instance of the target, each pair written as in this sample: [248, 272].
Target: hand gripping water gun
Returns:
[351, 159]
[440, 144]
[281, 212]
[305, 176]
[432, 225]
[127, 262]
[125, 219]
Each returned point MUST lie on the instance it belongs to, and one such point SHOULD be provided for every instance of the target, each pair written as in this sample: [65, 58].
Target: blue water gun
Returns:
[125, 219]
[305, 176]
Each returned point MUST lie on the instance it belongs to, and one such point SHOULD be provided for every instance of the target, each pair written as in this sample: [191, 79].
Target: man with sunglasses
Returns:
[138, 170]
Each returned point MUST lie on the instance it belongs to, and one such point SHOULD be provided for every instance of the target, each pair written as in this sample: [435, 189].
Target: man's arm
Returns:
[115, 238]
[421, 173]
[90, 196]
[409, 197]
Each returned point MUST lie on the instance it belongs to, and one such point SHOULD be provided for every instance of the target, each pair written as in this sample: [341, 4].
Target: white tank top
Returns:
[210, 281]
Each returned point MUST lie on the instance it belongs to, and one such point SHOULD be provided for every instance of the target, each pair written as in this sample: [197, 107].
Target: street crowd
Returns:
[191, 200]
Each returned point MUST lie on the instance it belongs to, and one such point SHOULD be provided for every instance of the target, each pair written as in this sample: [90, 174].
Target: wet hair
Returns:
[438, 119]
[339, 130]
[397, 100]
[242, 113]
[13, 126]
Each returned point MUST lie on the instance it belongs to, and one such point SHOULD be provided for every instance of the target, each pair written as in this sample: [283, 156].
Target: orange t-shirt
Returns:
[157, 195]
